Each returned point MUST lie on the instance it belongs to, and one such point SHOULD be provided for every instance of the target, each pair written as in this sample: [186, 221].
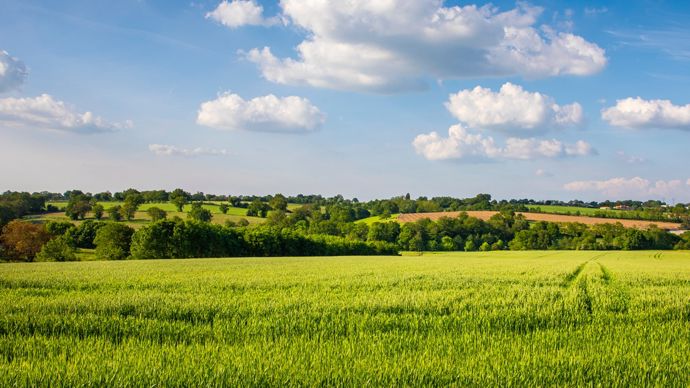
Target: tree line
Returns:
[308, 232]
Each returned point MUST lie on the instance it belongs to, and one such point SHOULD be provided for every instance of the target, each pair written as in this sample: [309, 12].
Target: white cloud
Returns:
[642, 114]
[462, 144]
[396, 45]
[511, 108]
[595, 11]
[170, 150]
[631, 159]
[12, 72]
[238, 13]
[543, 173]
[266, 114]
[47, 113]
[630, 188]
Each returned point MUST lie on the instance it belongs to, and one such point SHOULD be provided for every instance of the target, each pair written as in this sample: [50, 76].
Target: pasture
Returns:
[572, 210]
[499, 318]
[141, 218]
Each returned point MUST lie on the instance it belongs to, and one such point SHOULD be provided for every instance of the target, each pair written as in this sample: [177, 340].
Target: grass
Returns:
[500, 318]
[141, 218]
[571, 210]
[372, 219]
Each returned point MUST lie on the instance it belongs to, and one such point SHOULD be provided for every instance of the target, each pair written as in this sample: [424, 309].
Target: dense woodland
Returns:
[319, 227]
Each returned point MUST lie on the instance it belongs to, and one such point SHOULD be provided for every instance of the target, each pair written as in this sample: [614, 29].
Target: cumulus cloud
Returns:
[265, 114]
[643, 114]
[170, 150]
[12, 72]
[636, 187]
[394, 46]
[511, 108]
[238, 13]
[462, 144]
[47, 113]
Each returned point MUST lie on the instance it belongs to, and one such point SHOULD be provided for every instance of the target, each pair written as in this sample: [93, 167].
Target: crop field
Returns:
[485, 215]
[571, 210]
[501, 318]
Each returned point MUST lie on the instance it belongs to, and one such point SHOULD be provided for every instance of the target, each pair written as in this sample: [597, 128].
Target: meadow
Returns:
[572, 210]
[495, 318]
[141, 218]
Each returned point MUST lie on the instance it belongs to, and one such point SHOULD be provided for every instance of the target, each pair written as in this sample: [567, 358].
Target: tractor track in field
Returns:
[595, 290]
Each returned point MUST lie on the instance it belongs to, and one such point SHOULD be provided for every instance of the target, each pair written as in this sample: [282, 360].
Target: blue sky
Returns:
[583, 100]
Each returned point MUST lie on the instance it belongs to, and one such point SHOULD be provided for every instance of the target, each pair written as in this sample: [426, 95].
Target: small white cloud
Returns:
[264, 114]
[645, 114]
[461, 144]
[543, 173]
[47, 113]
[397, 45]
[631, 159]
[238, 13]
[12, 72]
[636, 187]
[511, 108]
[170, 150]
[595, 11]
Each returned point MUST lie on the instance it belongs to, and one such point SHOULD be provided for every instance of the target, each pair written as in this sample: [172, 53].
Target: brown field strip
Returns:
[485, 215]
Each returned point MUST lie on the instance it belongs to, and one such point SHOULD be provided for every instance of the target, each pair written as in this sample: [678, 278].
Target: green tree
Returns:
[113, 241]
[60, 248]
[223, 207]
[78, 206]
[58, 228]
[132, 203]
[470, 246]
[154, 241]
[156, 213]
[84, 234]
[198, 213]
[448, 244]
[277, 218]
[115, 213]
[97, 210]
[278, 202]
[257, 209]
[179, 198]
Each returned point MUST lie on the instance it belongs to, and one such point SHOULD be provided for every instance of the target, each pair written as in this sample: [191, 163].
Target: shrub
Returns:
[60, 248]
[113, 241]
[198, 213]
[157, 214]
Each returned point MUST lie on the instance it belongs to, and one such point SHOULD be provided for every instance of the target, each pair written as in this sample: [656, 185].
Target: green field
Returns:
[572, 210]
[502, 318]
[142, 218]
[373, 219]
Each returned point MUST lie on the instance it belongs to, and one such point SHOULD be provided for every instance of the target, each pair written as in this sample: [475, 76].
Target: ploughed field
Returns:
[498, 318]
[485, 215]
